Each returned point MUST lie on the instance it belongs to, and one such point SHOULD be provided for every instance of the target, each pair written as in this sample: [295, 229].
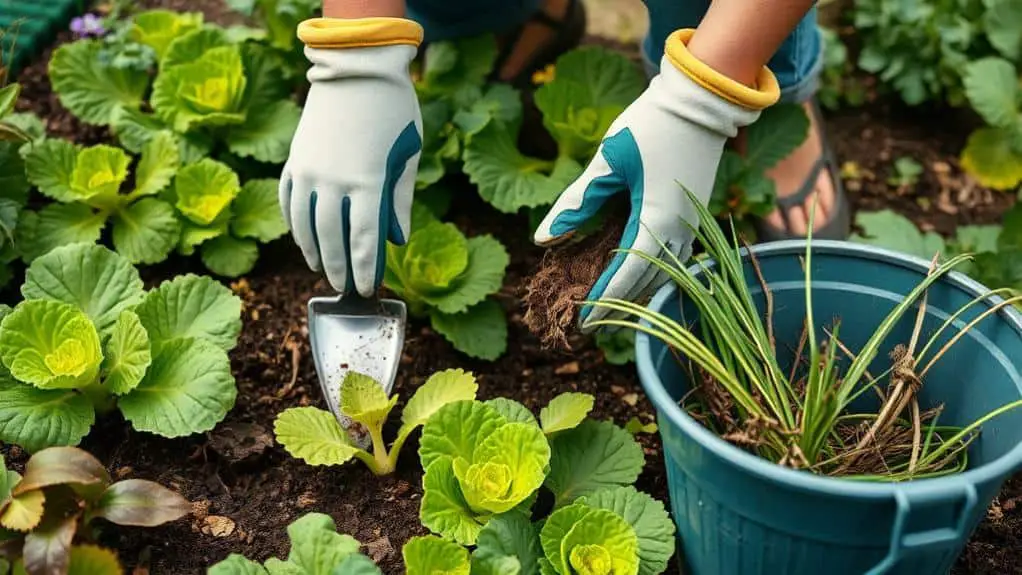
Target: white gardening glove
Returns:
[671, 136]
[348, 183]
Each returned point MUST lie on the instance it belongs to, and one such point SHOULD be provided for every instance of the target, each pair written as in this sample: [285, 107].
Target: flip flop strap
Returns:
[539, 17]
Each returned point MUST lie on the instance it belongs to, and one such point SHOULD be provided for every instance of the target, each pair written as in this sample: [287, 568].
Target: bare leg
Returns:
[363, 8]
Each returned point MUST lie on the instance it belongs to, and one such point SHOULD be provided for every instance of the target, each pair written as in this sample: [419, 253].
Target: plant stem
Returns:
[102, 401]
[384, 465]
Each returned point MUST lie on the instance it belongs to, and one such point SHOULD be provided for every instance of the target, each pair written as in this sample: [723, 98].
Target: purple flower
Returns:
[88, 25]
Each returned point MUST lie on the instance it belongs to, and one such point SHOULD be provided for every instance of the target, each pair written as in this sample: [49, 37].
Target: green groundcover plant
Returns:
[217, 90]
[198, 206]
[88, 339]
[993, 154]
[46, 516]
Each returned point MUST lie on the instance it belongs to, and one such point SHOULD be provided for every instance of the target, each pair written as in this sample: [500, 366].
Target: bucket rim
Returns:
[769, 471]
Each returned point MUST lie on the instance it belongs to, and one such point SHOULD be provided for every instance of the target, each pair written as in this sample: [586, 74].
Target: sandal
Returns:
[839, 226]
[568, 34]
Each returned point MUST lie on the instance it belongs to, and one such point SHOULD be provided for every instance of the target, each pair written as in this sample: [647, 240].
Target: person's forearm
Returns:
[363, 8]
[738, 37]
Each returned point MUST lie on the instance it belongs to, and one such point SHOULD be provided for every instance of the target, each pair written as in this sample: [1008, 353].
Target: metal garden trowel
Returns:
[351, 333]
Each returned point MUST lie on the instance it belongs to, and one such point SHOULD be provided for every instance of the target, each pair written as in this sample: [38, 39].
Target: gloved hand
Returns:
[347, 185]
[671, 136]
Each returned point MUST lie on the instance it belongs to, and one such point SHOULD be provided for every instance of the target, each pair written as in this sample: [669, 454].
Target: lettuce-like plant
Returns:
[88, 338]
[45, 512]
[279, 19]
[580, 539]
[993, 154]
[316, 436]
[86, 184]
[442, 274]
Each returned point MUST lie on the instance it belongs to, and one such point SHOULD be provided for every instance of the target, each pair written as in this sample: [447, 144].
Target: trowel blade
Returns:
[365, 336]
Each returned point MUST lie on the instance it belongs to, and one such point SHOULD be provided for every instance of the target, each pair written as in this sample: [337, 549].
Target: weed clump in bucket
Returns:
[802, 417]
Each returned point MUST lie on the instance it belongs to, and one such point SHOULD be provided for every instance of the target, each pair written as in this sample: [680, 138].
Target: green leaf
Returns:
[649, 519]
[97, 280]
[36, 419]
[509, 180]
[191, 46]
[23, 512]
[1010, 231]
[356, 564]
[160, 161]
[13, 180]
[49, 165]
[99, 172]
[992, 86]
[187, 389]
[192, 306]
[443, 509]
[92, 91]
[505, 469]
[565, 411]
[452, 66]
[141, 503]
[430, 555]
[780, 130]
[990, 157]
[158, 28]
[1003, 269]
[442, 388]
[510, 535]
[147, 231]
[9, 97]
[267, 132]
[593, 456]
[480, 332]
[230, 257]
[194, 235]
[316, 547]
[577, 539]
[237, 565]
[893, 231]
[618, 348]
[501, 102]
[29, 123]
[455, 431]
[257, 212]
[208, 92]
[128, 354]
[635, 426]
[432, 260]
[204, 189]
[92, 560]
[51, 345]
[484, 275]
[512, 411]
[313, 435]
[58, 225]
[975, 239]
[1003, 23]
[364, 400]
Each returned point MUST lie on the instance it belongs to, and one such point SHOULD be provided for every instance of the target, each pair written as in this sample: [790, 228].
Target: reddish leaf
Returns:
[48, 549]
[141, 503]
[64, 466]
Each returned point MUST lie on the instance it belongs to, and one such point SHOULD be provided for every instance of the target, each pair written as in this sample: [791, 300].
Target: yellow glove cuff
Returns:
[767, 90]
[359, 32]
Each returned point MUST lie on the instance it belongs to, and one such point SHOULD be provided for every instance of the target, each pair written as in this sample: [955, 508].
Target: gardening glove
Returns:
[671, 136]
[347, 185]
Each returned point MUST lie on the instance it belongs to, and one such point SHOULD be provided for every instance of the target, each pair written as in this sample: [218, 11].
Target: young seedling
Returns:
[315, 435]
[52, 506]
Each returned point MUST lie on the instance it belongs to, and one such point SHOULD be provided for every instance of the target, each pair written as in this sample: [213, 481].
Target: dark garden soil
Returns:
[246, 490]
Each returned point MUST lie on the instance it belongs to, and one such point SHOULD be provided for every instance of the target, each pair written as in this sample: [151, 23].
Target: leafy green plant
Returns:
[17, 132]
[64, 489]
[316, 436]
[618, 348]
[442, 274]
[216, 90]
[993, 154]
[838, 86]
[906, 172]
[88, 339]
[279, 19]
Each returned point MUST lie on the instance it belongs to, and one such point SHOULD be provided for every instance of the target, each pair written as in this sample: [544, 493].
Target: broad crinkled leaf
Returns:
[204, 189]
[257, 212]
[58, 225]
[1003, 23]
[193, 235]
[49, 165]
[442, 388]
[505, 469]
[93, 560]
[593, 456]
[188, 389]
[480, 332]
[237, 565]
[29, 123]
[100, 282]
[649, 519]
[128, 354]
[266, 84]
[192, 306]
[512, 410]
[484, 275]
[356, 564]
[266, 134]
[431, 555]
[433, 258]
[510, 535]
[501, 102]
[364, 400]
[316, 547]
[893, 231]
[974, 239]
[147, 231]
[24, 511]
[313, 435]
[992, 86]
[207, 92]
[990, 157]
[577, 539]
[780, 130]
[92, 91]
[160, 161]
[456, 429]
[36, 419]
[565, 411]
[228, 256]
[191, 46]
[99, 172]
[444, 510]
[453, 65]
[51, 345]
[158, 28]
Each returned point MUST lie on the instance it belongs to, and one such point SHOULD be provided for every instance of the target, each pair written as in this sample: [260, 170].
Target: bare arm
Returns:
[738, 37]
[363, 8]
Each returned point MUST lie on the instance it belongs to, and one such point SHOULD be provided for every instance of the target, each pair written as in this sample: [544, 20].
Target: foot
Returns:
[789, 175]
[533, 38]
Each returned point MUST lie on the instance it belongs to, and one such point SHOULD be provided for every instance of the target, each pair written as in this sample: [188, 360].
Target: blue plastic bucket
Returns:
[738, 514]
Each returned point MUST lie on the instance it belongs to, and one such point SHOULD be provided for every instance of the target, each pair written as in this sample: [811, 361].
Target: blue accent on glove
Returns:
[408, 143]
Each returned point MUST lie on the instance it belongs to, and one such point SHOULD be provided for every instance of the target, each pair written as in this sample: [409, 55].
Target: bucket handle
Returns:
[917, 496]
